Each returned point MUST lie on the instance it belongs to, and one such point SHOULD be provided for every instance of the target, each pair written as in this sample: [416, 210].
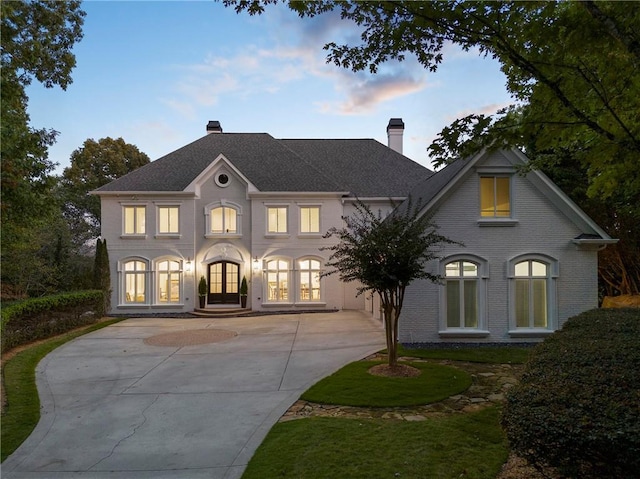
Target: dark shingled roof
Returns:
[425, 191]
[362, 167]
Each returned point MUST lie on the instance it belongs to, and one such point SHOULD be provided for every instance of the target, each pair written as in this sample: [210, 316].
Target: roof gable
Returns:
[433, 191]
[363, 167]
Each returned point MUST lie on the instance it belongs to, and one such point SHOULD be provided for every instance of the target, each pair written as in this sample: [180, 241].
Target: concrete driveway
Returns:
[180, 398]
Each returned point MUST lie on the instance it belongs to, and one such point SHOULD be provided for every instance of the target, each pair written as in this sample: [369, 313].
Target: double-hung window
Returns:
[134, 220]
[495, 196]
[309, 219]
[277, 219]
[168, 220]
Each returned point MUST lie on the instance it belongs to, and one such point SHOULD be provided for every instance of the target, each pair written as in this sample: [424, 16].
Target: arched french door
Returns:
[224, 283]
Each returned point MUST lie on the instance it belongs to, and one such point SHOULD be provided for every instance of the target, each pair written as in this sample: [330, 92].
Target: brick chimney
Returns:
[214, 127]
[395, 130]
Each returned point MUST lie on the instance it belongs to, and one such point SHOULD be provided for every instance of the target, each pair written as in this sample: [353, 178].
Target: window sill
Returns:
[497, 222]
[307, 304]
[530, 333]
[134, 305]
[168, 306]
[168, 236]
[463, 333]
[277, 235]
[133, 237]
[223, 235]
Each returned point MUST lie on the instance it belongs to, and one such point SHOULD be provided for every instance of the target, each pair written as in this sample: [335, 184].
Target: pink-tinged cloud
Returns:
[363, 96]
[490, 109]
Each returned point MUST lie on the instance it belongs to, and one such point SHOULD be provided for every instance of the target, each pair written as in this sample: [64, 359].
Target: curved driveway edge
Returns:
[179, 405]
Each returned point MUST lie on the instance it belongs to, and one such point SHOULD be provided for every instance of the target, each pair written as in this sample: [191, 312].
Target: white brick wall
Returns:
[541, 229]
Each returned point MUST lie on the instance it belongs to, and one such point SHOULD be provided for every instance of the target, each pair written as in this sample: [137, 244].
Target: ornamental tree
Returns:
[385, 255]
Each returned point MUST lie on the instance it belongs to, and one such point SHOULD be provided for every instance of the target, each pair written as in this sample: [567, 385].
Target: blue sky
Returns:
[155, 72]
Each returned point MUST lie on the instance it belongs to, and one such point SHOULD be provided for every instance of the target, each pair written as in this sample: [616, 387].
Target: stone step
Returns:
[221, 312]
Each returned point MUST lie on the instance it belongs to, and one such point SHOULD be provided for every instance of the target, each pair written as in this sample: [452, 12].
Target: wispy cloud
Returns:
[294, 55]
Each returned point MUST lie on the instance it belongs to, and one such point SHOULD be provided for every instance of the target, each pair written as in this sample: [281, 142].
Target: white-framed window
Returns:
[134, 219]
[168, 220]
[463, 294]
[309, 280]
[277, 275]
[134, 281]
[277, 219]
[495, 196]
[223, 218]
[169, 281]
[533, 293]
[309, 219]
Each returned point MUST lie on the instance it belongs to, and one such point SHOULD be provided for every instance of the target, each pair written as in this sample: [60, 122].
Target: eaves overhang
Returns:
[182, 194]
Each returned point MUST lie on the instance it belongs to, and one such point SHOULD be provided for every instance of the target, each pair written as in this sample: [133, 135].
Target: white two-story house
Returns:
[246, 205]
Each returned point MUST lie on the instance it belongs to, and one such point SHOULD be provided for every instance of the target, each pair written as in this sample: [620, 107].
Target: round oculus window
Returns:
[222, 179]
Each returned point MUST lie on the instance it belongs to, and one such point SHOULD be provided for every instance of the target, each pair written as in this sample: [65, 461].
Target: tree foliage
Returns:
[572, 69]
[385, 255]
[94, 164]
[37, 38]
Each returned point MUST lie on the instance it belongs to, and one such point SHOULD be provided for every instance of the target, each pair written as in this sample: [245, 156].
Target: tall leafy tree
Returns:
[94, 164]
[385, 255]
[572, 69]
[37, 38]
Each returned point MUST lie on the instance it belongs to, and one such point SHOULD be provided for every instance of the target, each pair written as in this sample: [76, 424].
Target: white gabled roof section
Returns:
[446, 184]
[194, 186]
[562, 201]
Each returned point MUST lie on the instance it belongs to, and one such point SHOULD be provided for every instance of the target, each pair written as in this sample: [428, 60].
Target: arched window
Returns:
[462, 294]
[169, 276]
[309, 274]
[532, 295]
[135, 282]
[277, 280]
[223, 218]
[531, 278]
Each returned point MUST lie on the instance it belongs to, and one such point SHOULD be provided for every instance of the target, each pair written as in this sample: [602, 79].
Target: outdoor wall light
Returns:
[256, 263]
[187, 265]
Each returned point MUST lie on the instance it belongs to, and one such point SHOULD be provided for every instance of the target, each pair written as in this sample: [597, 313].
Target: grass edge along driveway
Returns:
[448, 447]
[22, 408]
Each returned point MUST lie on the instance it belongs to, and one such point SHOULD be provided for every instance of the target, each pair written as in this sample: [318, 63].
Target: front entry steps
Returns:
[221, 312]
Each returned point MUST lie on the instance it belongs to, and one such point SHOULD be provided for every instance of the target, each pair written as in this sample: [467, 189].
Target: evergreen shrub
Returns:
[39, 318]
[577, 406]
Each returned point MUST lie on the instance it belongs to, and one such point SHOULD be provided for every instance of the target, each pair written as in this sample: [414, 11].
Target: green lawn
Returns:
[450, 447]
[470, 446]
[353, 386]
[495, 355]
[22, 411]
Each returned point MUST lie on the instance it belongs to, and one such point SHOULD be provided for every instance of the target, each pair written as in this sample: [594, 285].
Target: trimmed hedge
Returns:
[577, 407]
[40, 318]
